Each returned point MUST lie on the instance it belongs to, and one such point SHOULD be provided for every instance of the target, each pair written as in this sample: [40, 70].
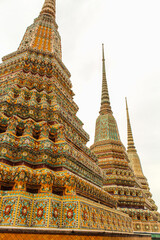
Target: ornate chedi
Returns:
[136, 165]
[119, 177]
[48, 177]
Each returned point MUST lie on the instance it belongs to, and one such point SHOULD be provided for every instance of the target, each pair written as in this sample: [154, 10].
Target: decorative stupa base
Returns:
[48, 211]
[70, 234]
[146, 226]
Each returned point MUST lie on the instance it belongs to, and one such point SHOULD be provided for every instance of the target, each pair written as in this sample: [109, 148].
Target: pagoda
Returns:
[123, 177]
[137, 168]
[49, 178]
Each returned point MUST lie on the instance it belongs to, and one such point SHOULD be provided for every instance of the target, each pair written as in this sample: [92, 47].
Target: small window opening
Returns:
[49, 101]
[16, 93]
[6, 187]
[3, 128]
[138, 217]
[19, 131]
[57, 191]
[53, 137]
[111, 192]
[32, 189]
[38, 99]
[27, 96]
[36, 134]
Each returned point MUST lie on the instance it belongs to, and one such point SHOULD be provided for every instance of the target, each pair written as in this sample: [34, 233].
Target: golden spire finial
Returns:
[131, 145]
[49, 8]
[105, 102]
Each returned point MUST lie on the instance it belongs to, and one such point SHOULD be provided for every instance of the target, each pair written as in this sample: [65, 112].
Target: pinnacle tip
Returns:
[103, 51]
[126, 102]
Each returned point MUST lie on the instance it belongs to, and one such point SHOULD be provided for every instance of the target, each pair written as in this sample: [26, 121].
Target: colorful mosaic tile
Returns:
[85, 215]
[94, 218]
[8, 211]
[40, 216]
[55, 214]
[70, 215]
[24, 211]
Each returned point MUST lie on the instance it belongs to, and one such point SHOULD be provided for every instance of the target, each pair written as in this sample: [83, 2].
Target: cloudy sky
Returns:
[130, 31]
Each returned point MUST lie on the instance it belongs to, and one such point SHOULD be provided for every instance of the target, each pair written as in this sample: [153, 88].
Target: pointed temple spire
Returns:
[48, 8]
[136, 162]
[43, 34]
[105, 102]
[131, 150]
[131, 145]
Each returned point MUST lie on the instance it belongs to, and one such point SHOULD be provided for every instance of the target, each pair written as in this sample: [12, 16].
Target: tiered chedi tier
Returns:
[119, 178]
[48, 177]
[136, 164]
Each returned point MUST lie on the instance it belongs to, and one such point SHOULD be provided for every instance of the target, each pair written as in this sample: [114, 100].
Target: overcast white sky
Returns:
[130, 31]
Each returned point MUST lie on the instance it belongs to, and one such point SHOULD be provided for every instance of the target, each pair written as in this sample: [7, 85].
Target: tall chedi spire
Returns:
[131, 150]
[131, 145]
[119, 177]
[48, 176]
[105, 101]
[135, 160]
[103, 133]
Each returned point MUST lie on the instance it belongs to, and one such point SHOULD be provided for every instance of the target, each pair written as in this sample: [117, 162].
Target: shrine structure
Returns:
[123, 176]
[51, 186]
